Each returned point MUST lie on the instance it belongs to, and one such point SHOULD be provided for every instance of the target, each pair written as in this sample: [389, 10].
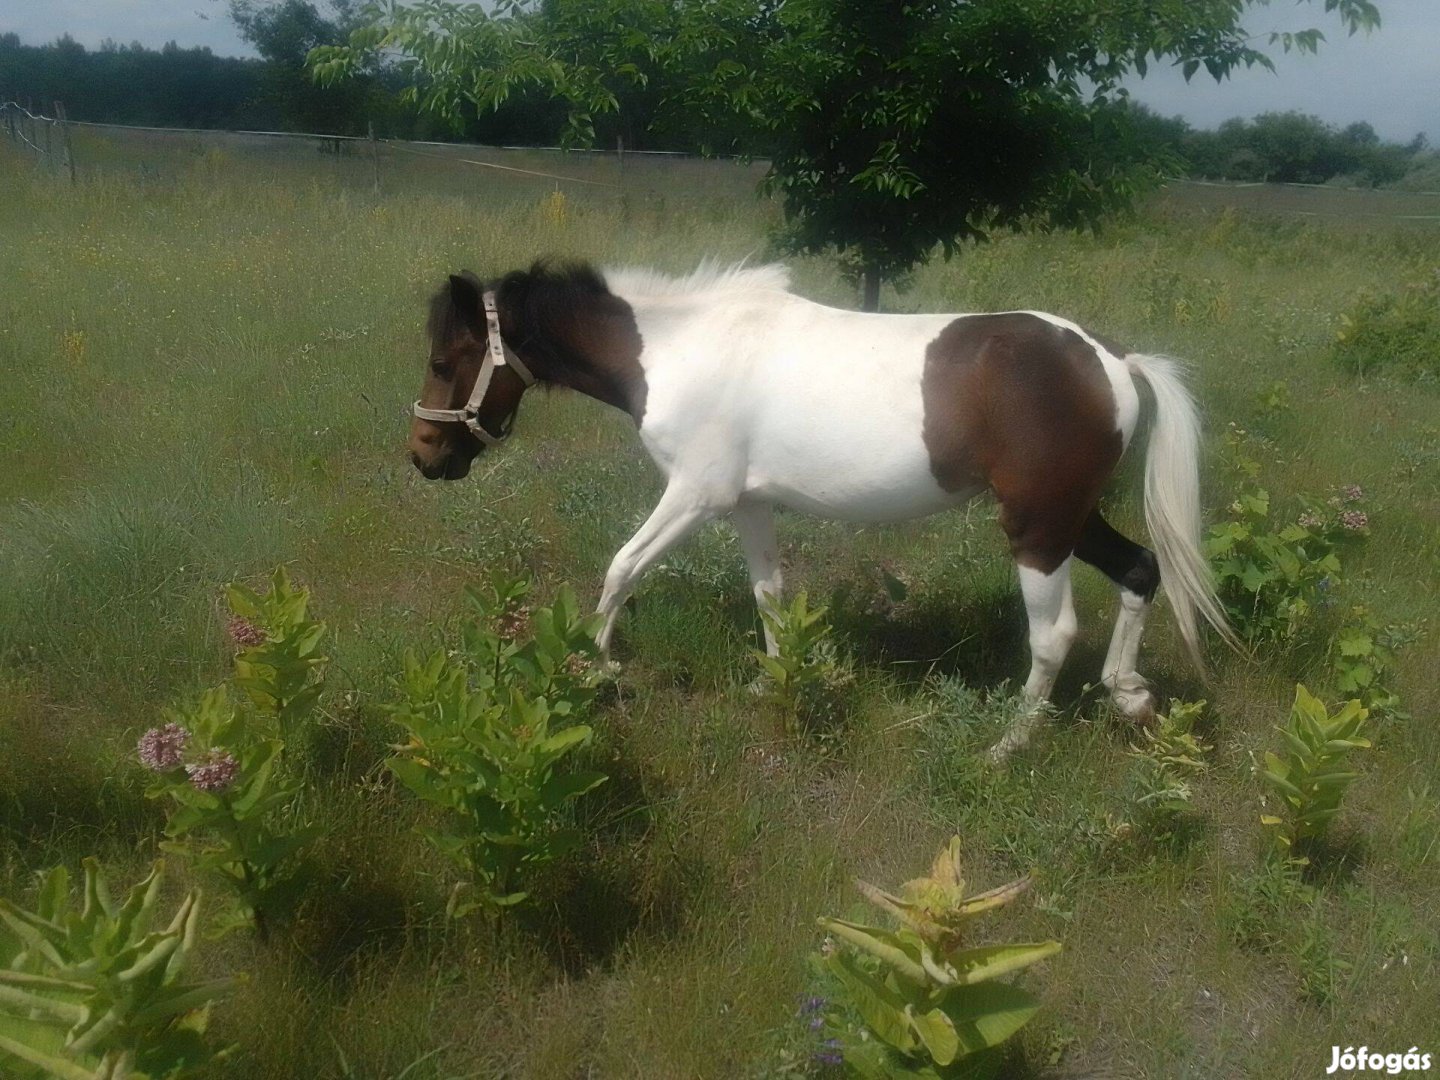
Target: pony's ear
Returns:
[465, 295]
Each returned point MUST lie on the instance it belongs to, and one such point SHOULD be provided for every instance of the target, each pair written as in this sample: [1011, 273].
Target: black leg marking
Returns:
[1119, 558]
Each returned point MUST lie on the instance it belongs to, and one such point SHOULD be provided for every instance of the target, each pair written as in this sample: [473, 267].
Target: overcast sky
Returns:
[1391, 78]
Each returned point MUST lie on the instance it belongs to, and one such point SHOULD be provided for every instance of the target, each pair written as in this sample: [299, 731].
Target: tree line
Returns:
[1286, 147]
[193, 87]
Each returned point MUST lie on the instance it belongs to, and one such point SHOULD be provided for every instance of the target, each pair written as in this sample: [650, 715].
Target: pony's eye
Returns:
[442, 367]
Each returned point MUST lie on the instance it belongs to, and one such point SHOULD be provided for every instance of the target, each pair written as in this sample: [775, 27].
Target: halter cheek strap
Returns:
[497, 355]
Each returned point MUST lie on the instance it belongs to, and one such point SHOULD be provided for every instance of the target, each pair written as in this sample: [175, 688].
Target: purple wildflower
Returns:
[245, 633]
[216, 773]
[812, 1004]
[160, 748]
[1352, 493]
[816, 1023]
[1354, 520]
[1311, 520]
[829, 1054]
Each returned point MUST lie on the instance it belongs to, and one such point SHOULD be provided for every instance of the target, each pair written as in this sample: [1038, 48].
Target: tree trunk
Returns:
[870, 288]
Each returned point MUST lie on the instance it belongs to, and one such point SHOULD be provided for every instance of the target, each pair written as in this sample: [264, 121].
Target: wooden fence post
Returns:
[375, 156]
[62, 120]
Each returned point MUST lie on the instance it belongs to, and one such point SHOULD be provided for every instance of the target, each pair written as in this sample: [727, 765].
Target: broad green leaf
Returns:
[992, 961]
[937, 1032]
[559, 789]
[56, 1067]
[986, 1014]
[882, 1009]
[881, 944]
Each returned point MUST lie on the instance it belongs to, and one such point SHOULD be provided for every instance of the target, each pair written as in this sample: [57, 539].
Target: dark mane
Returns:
[546, 300]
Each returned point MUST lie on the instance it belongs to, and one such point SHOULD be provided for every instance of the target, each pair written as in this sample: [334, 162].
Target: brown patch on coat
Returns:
[1023, 406]
[611, 344]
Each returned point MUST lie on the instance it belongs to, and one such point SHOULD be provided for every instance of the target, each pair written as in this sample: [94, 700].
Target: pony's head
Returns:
[453, 423]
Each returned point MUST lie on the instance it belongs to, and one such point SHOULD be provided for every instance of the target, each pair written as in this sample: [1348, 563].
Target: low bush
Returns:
[917, 1001]
[1167, 758]
[88, 991]
[1274, 576]
[1393, 332]
[1310, 777]
[808, 679]
[487, 731]
[221, 765]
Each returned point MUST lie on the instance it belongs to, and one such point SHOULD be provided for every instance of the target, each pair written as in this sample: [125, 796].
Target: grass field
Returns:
[207, 366]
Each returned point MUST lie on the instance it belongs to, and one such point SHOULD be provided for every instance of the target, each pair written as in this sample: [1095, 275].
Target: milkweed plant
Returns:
[234, 798]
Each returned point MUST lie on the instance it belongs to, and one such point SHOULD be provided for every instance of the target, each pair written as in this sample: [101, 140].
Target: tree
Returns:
[893, 127]
[283, 33]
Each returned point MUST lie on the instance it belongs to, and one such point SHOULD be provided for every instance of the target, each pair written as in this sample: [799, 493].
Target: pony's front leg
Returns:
[1050, 608]
[755, 524]
[678, 513]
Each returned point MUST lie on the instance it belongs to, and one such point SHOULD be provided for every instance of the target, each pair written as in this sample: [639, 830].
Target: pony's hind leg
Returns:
[1050, 608]
[1136, 573]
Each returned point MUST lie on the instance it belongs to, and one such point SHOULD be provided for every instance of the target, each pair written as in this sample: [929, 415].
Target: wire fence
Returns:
[165, 155]
[161, 154]
[48, 137]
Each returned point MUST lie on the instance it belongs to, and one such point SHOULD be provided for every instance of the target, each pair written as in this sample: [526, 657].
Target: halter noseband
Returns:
[497, 354]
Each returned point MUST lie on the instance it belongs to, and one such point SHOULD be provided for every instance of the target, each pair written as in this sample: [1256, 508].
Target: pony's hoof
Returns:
[1018, 737]
[1136, 704]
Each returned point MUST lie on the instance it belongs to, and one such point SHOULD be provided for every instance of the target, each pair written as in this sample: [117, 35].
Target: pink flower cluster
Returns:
[1354, 520]
[1311, 520]
[1352, 493]
[245, 633]
[215, 773]
[513, 624]
[163, 749]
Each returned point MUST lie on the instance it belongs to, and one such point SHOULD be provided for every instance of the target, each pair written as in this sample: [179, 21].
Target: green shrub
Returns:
[236, 801]
[1362, 658]
[1274, 577]
[279, 665]
[89, 992]
[1167, 758]
[915, 1001]
[1310, 779]
[808, 679]
[1393, 332]
[487, 731]
[232, 813]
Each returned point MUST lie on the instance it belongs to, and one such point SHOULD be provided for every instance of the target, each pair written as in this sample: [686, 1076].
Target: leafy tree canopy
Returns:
[892, 126]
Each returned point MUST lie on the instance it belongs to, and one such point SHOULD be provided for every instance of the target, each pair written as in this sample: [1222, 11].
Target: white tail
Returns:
[1172, 503]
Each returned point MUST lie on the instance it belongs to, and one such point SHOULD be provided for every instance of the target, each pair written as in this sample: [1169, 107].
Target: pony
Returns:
[748, 396]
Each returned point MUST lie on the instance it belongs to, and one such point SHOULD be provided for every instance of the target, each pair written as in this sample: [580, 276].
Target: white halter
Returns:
[497, 354]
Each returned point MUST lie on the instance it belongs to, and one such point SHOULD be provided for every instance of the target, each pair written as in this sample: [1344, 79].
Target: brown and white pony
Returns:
[748, 396]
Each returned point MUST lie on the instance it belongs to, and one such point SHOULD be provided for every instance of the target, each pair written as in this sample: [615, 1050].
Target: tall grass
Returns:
[207, 365]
